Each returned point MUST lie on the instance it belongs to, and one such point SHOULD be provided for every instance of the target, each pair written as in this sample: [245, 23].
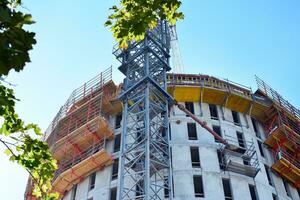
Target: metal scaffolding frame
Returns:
[239, 156]
[145, 152]
[78, 133]
[282, 129]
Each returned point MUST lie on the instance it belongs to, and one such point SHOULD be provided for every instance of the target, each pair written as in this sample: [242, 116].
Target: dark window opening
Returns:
[170, 136]
[195, 158]
[173, 191]
[139, 190]
[246, 162]
[171, 155]
[254, 123]
[236, 118]
[253, 192]
[139, 134]
[260, 148]
[287, 189]
[113, 194]
[268, 175]
[163, 132]
[217, 129]
[92, 181]
[241, 140]
[190, 107]
[192, 132]
[115, 169]
[213, 111]
[118, 120]
[198, 186]
[73, 194]
[166, 187]
[220, 159]
[117, 143]
[227, 189]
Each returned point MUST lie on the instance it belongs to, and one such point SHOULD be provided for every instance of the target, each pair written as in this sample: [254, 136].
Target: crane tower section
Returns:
[177, 63]
[145, 152]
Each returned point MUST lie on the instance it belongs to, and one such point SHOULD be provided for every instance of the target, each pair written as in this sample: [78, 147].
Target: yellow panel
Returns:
[276, 136]
[82, 137]
[287, 170]
[186, 94]
[68, 178]
[211, 95]
[238, 103]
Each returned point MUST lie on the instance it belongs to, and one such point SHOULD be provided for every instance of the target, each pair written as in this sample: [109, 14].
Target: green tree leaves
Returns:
[15, 42]
[24, 146]
[132, 18]
[22, 141]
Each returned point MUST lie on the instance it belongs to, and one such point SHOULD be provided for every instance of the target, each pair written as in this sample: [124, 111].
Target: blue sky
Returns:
[230, 39]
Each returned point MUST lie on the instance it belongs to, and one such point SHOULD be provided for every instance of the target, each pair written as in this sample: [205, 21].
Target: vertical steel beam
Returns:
[145, 150]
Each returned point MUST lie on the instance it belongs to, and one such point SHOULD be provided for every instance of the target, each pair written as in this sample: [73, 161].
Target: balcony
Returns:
[287, 166]
[208, 89]
[239, 157]
[283, 134]
[74, 169]
[82, 137]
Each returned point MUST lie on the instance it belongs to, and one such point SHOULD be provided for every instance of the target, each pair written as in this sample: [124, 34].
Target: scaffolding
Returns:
[212, 90]
[145, 153]
[282, 134]
[78, 133]
[239, 156]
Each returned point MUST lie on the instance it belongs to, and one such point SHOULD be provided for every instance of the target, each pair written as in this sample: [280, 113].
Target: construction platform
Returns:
[287, 167]
[75, 170]
[78, 133]
[284, 135]
[82, 137]
[239, 157]
[208, 89]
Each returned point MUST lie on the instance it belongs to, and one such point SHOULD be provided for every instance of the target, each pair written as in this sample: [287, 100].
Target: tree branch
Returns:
[11, 151]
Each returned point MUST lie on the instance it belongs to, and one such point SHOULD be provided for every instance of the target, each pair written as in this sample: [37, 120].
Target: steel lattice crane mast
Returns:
[145, 163]
[145, 167]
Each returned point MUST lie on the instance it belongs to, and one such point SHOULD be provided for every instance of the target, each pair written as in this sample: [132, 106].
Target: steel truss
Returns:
[145, 168]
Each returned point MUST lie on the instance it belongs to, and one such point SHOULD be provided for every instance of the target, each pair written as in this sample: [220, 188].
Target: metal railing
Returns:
[74, 160]
[209, 81]
[239, 148]
[290, 129]
[281, 153]
[76, 119]
[277, 98]
[79, 97]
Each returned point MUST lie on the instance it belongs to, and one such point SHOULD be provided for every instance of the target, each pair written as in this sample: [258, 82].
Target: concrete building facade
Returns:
[209, 170]
[197, 164]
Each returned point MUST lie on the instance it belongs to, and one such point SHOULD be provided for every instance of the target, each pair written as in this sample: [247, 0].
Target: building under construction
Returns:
[164, 135]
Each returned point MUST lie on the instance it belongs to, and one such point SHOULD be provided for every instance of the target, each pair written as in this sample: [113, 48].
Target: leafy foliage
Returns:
[29, 152]
[132, 18]
[22, 141]
[15, 42]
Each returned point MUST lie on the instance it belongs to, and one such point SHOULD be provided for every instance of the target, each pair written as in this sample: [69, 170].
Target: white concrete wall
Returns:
[210, 170]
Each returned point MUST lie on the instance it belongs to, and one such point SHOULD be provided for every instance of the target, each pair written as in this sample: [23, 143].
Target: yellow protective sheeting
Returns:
[231, 100]
[83, 137]
[72, 176]
[280, 134]
[287, 170]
